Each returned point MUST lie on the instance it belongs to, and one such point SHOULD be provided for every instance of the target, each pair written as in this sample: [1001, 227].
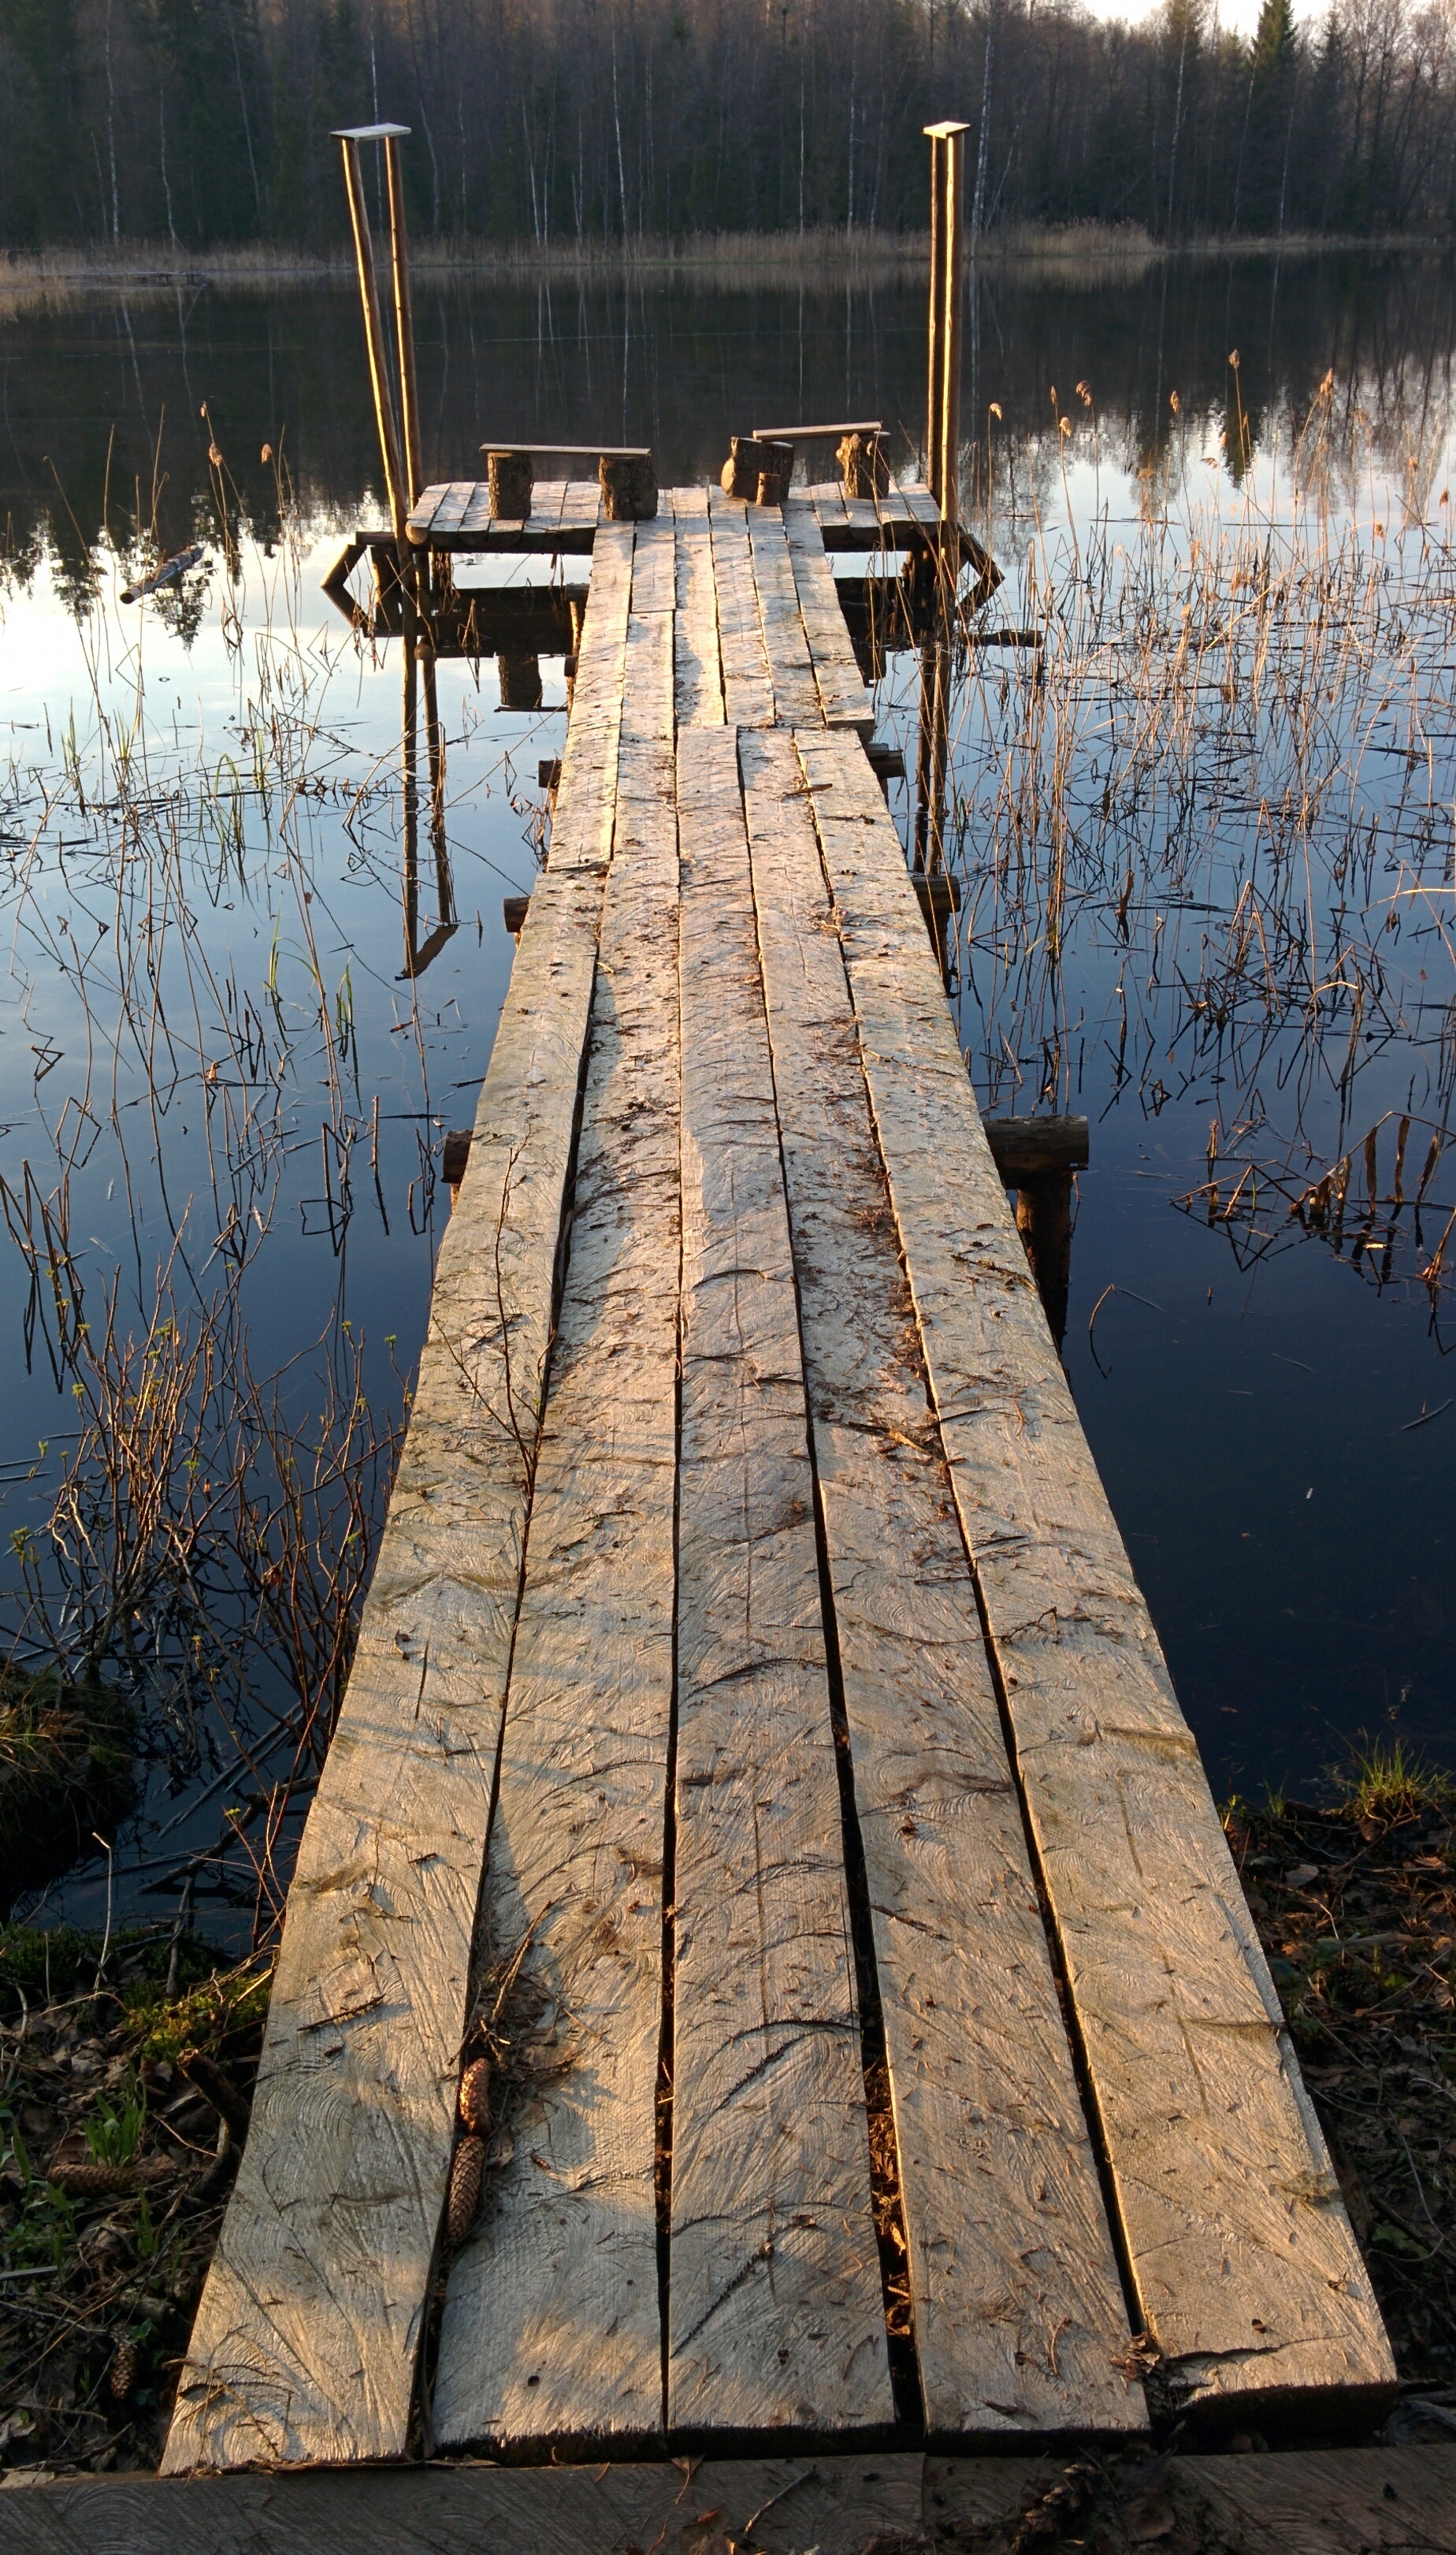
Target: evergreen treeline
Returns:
[209, 120]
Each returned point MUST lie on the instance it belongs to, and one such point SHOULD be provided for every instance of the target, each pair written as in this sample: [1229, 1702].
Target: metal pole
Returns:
[384, 413]
[403, 319]
[936, 384]
[955, 166]
[942, 428]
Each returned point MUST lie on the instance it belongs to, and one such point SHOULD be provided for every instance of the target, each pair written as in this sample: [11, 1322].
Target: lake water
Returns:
[1209, 910]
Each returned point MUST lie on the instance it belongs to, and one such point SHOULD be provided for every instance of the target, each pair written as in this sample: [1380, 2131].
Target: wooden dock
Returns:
[757, 1744]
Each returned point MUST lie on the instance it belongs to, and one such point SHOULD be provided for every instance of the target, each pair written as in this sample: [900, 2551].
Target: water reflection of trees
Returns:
[1205, 836]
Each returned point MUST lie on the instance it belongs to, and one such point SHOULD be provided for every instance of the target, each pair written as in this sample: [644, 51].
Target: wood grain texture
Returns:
[1020, 2320]
[775, 2314]
[748, 681]
[775, 2505]
[305, 2339]
[1344, 2501]
[552, 2326]
[796, 692]
[583, 816]
[647, 711]
[1247, 2272]
[843, 699]
[697, 661]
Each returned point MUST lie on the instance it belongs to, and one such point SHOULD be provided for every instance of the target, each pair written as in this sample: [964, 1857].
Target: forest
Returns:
[207, 121]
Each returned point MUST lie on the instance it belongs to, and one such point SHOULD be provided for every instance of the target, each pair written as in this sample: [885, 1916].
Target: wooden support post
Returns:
[384, 410]
[404, 320]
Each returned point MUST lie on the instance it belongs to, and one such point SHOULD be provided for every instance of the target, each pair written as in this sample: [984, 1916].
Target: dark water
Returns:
[226, 1090]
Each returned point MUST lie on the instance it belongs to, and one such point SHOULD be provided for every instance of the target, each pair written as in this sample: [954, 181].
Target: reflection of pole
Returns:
[444, 886]
[384, 413]
[419, 659]
[403, 319]
[410, 758]
[933, 756]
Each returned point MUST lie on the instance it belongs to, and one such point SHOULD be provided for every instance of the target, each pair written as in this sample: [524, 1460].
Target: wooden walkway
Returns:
[757, 1737]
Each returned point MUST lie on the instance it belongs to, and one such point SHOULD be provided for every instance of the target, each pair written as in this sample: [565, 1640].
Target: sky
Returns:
[1239, 14]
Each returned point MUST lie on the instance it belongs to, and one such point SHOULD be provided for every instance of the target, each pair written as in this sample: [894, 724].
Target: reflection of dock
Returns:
[758, 1749]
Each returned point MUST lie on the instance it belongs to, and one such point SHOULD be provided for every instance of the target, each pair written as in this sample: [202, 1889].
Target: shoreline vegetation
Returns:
[821, 259]
[127, 2065]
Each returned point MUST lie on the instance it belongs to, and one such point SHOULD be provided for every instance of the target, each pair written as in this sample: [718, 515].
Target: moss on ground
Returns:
[104, 2285]
[1356, 1907]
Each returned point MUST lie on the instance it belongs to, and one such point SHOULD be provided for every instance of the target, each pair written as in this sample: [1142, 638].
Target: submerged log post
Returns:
[1038, 1156]
[519, 669]
[1045, 1223]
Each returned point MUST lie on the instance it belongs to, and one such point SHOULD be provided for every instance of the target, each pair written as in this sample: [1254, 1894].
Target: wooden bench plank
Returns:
[582, 820]
[843, 699]
[748, 681]
[1018, 2314]
[796, 692]
[1247, 2272]
[305, 2340]
[552, 2324]
[776, 2313]
[697, 662]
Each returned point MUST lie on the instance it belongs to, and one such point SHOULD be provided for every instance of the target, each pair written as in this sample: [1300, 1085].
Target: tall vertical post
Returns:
[403, 319]
[384, 408]
[947, 209]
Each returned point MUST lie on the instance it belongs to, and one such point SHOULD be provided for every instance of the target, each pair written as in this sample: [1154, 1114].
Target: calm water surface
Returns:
[219, 1081]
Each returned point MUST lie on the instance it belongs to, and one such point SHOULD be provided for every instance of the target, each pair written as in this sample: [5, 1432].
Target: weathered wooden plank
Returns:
[424, 511]
[843, 699]
[827, 496]
[796, 692]
[1247, 2272]
[305, 2340]
[697, 662]
[779, 2505]
[688, 505]
[449, 513]
[552, 2324]
[775, 2312]
[477, 515]
[548, 498]
[647, 702]
[748, 681]
[1019, 2313]
[581, 507]
[864, 515]
[654, 581]
[1340, 2502]
[916, 504]
[583, 821]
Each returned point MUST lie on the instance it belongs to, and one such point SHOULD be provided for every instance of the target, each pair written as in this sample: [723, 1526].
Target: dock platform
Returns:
[758, 1751]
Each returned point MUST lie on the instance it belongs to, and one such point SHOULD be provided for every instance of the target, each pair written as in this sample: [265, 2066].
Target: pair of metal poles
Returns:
[404, 473]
